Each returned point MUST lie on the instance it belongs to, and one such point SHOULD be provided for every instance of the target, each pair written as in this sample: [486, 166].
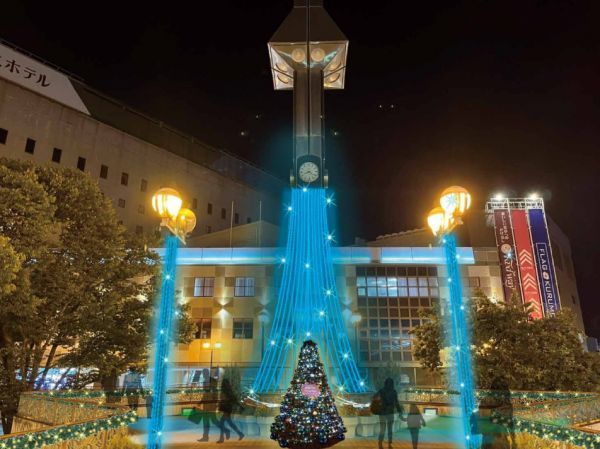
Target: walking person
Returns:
[132, 387]
[385, 404]
[227, 402]
[414, 421]
[207, 415]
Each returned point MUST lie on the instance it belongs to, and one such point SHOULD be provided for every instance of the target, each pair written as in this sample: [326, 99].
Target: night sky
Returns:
[495, 96]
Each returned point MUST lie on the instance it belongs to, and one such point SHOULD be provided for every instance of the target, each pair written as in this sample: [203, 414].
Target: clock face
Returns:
[309, 172]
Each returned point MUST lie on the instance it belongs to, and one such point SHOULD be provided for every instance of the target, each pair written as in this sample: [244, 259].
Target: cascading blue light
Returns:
[458, 339]
[308, 305]
[163, 335]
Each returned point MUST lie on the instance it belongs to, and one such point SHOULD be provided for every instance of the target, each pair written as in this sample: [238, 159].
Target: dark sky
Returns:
[492, 95]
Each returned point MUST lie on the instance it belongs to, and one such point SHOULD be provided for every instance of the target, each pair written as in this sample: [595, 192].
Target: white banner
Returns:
[34, 75]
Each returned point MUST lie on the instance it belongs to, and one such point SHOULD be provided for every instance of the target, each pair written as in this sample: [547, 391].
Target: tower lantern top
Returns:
[308, 38]
[303, 3]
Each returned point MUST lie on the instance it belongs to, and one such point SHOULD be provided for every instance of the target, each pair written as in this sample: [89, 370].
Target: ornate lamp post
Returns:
[454, 202]
[179, 222]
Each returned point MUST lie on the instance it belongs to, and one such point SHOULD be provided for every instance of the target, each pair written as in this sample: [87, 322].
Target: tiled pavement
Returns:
[181, 434]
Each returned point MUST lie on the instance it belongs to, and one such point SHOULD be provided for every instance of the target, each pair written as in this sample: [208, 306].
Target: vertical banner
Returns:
[508, 264]
[525, 258]
[544, 262]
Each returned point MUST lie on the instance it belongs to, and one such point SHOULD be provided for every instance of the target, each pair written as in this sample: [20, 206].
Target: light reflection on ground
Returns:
[179, 432]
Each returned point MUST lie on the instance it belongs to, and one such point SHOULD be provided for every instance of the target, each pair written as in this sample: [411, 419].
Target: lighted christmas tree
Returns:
[308, 416]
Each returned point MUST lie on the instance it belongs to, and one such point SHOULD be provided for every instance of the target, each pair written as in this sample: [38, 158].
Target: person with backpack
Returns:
[385, 404]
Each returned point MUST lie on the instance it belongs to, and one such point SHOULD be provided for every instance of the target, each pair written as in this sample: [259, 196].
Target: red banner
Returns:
[508, 262]
[524, 249]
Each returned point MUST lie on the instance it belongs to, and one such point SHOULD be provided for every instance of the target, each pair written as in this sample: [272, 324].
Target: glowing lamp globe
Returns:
[317, 54]
[298, 55]
[186, 221]
[455, 201]
[436, 220]
[167, 202]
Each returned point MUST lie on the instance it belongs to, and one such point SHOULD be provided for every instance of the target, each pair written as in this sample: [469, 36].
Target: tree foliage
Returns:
[543, 354]
[76, 289]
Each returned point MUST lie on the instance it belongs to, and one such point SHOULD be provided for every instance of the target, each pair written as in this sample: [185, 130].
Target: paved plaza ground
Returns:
[181, 433]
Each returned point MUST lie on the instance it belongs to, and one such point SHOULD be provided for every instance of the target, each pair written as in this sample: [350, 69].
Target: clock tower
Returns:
[308, 55]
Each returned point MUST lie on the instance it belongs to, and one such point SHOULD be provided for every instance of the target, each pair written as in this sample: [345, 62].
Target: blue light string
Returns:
[461, 377]
[304, 308]
[162, 341]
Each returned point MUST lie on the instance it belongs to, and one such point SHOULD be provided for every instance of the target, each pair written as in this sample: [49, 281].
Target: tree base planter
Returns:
[264, 425]
[350, 422]
[248, 425]
[367, 426]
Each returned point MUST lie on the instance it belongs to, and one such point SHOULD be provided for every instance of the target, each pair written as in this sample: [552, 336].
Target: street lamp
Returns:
[454, 203]
[179, 221]
[212, 347]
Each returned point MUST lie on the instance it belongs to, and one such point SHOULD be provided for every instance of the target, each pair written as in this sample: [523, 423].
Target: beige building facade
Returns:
[382, 287]
[130, 154]
[232, 293]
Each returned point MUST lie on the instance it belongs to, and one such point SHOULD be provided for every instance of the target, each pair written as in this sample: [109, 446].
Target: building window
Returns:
[248, 220]
[56, 155]
[204, 287]
[104, 171]
[3, 135]
[81, 163]
[203, 328]
[223, 213]
[244, 286]
[236, 218]
[143, 185]
[389, 302]
[474, 282]
[141, 209]
[194, 203]
[208, 229]
[139, 230]
[30, 146]
[242, 328]
[209, 208]
[124, 179]
[121, 202]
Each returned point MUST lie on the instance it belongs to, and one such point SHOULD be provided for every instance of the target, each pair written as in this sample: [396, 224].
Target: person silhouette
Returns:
[206, 416]
[388, 399]
[506, 437]
[414, 421]
[132, 387]
[227, 402]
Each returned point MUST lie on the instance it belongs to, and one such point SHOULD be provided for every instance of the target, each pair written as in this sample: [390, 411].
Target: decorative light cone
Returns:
[167, 202]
